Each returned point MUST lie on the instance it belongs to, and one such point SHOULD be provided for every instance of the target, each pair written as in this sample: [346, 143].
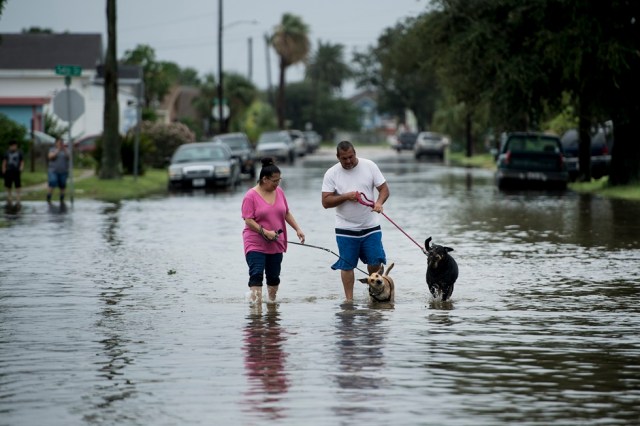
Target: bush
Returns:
[9, 130]
[145, 150]
[164, 139]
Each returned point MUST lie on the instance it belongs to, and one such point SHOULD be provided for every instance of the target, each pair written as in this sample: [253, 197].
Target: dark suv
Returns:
[600, 153]
[406, 141]
[242, 150]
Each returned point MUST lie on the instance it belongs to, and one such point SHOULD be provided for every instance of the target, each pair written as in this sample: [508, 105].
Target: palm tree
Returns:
[291, 42]
[327, 65]
[327, 68]
[111, 157]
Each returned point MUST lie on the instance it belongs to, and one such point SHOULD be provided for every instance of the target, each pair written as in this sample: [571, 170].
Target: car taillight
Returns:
[507, 157]
[605, 149]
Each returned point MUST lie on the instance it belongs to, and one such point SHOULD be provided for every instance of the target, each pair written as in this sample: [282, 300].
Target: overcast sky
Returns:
[186, 31]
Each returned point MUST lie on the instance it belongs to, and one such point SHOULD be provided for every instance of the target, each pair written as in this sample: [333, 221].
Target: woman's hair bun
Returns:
[267, 161]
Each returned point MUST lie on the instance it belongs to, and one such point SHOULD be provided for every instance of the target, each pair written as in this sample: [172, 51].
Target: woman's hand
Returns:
[300, 235]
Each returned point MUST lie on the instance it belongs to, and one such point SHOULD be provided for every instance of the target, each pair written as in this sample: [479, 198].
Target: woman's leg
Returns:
[273, 267]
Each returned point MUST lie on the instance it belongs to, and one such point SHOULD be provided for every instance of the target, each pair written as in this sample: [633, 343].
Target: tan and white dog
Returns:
[381, 287]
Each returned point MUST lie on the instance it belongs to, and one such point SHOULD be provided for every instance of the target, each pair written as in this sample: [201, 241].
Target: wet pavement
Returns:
[136, 312]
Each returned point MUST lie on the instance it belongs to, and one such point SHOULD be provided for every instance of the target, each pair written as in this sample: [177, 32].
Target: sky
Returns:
[186, 31]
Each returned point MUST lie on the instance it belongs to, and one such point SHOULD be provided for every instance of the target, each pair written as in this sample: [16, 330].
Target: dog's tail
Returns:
[389, 268]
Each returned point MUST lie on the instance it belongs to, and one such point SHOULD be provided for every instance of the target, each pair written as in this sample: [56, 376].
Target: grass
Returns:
[601, 187]
[485, 161]
[154, 181]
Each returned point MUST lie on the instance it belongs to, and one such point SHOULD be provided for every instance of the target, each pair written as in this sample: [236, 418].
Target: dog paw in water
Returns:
[442, 270]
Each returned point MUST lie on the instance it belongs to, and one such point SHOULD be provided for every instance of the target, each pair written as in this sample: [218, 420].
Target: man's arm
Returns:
[331, 199]
[383, 194]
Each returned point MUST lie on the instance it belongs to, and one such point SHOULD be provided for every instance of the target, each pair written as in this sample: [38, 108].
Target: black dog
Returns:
[442, 271]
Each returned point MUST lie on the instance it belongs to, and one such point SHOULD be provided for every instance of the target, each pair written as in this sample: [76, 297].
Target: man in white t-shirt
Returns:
[358, 232]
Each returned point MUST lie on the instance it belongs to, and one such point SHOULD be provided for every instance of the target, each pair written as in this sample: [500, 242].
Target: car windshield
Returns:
[235, 143]
[199, 153]
[271, 137]
[532, 144]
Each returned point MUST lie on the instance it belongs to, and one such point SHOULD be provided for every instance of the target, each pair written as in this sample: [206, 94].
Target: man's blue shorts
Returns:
[365, 245]
[57, 180]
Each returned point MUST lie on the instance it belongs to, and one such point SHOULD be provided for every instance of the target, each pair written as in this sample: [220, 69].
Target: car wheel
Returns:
[292, 158]
[252, 172]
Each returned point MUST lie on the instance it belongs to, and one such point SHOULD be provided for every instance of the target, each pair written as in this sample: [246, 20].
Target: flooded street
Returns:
[136, 313]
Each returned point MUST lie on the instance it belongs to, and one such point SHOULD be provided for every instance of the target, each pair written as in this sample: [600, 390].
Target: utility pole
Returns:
[267, 43]
[221, 120]
[250, 49]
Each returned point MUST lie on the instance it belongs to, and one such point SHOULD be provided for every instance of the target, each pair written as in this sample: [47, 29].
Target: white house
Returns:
[29, 83]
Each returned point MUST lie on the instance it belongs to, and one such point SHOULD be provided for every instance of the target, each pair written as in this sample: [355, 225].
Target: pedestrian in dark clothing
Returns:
[12, 166]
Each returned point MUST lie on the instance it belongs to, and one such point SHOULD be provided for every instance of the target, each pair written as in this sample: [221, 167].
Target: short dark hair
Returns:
[268, 168]
[13, 142]
[345, 146]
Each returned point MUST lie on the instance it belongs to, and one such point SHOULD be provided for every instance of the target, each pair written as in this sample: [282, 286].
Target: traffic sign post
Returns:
[69, 71]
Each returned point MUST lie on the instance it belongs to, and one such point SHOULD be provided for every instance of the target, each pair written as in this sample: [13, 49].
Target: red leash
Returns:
[367, 202]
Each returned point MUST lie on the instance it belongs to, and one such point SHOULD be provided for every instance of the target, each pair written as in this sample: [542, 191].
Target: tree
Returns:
[327, 65]
[401, 70]
[291, 42]
[241, 93]
[158, 76]
[331, 113]
[326, 68]
[110, 167]
[523, 57]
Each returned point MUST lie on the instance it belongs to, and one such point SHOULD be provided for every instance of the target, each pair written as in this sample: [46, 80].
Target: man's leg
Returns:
[348, 279]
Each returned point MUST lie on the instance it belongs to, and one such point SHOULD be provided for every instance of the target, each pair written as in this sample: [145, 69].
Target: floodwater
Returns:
[136, 313]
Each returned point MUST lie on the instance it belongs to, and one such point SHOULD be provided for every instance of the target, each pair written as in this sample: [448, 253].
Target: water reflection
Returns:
[360, 339]
[264, 361]
[111, 216]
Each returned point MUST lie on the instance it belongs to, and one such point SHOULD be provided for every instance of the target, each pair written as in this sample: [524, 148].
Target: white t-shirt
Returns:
[365, 177]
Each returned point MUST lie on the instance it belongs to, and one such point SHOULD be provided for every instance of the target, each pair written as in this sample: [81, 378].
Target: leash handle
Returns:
[367, 202]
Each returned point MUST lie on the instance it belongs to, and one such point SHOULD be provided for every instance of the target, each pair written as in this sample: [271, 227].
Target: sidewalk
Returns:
[84, 173]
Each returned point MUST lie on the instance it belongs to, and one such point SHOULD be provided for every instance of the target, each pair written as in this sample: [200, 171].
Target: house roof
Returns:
[45, 51]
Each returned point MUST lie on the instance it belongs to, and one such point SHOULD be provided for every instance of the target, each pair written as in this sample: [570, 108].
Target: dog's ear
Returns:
[426, 243]
[364, 280]
[381, 269]
[448, 249]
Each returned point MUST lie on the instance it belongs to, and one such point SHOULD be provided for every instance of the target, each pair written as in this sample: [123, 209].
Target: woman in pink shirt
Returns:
[265, 211]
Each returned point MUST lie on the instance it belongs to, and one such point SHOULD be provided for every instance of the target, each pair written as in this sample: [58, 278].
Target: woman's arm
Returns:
[292, 222]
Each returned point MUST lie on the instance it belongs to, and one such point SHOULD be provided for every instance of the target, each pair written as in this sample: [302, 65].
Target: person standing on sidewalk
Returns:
[58, 169]
[12, 166]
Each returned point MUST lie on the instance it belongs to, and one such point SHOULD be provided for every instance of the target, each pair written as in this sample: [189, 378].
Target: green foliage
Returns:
[53, 126]
[146, 149]
[259, 117]
[240, 94]
[10, 130]
[327, 65]
[319, 107]
[165, 138]
[158, 76]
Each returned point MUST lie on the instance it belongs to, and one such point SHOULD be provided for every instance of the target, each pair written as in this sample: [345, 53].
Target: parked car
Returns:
[600, 153]
[203, 164]
[430, 144]
[242, 149]
[404, 140]
[86, 144]
[299, 141]
[531, 160]
[277, 144]
[313, 140]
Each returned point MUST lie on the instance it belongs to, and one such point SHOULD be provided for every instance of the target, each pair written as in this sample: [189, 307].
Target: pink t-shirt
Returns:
[270, 217]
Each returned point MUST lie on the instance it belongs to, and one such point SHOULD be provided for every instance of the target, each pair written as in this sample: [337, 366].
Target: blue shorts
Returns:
[57, 180]
[365, 245]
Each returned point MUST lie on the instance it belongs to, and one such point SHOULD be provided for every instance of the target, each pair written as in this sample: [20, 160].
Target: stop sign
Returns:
[68, 105]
